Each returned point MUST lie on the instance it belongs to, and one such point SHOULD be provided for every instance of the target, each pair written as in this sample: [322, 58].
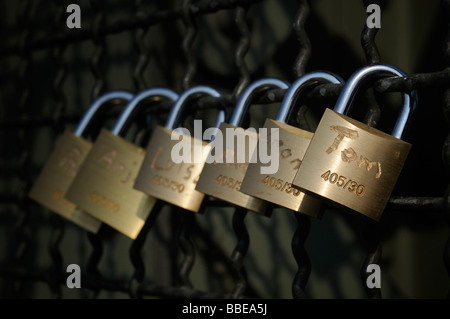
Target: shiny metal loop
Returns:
[254, 88]
[220, 119]
[194, 92]
[298, 87]
[364, 74]
[127, 114]
[96, 105]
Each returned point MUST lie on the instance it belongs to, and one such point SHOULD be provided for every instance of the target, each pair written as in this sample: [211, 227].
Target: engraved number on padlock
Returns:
[292, 144]
[350, 163]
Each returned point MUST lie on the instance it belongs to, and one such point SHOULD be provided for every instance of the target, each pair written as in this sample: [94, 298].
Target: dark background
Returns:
[46, 85]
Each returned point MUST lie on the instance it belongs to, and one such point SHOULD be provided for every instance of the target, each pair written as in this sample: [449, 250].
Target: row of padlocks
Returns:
[112, 181]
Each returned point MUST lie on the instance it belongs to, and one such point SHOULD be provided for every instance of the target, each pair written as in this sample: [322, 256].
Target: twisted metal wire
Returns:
[301, 255]
[368, 38]
[303, 222]
[372, 55]
[240, 250]
[238, 221]
[187, 217]
[371, 236]
[186, 245]
[187, 45]
[141, 48]
[135, 252]
[438, 79]
[241, 51]
[302, 37]
[153, 18]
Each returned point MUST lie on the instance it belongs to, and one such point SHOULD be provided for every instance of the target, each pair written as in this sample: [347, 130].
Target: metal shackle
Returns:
[95, 107]
[195, 92]
[298, 87]
[366, 73]
[127, 114]
[254, 88]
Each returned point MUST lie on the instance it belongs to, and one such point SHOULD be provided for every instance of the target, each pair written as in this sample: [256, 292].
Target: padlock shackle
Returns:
[96, 105]
[127, 114]
[344, 102]
[298, 87]
[220, 119]
[253, 89]
[194, 92]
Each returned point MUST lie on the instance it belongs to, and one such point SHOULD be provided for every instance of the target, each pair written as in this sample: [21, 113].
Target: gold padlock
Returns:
[103, 186]
[223, 172]
[64, 162]
[165, 178]
[276, 187]
[352, 164]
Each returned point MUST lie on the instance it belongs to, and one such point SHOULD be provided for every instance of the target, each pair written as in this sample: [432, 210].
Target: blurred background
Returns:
[50, 74]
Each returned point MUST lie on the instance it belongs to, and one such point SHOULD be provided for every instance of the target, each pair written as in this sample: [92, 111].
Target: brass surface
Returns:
[172, 182]
[352, 164]
[223, 180]
[56, 176]
[103, 186]
[276, 188]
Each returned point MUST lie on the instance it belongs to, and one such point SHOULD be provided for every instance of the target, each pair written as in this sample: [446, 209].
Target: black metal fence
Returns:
[50, 74]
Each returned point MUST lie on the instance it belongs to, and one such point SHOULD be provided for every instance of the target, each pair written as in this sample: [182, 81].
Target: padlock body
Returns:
[103, 186]
[55, 178]
[277, 188]
[352, 164]
[225, 169]
[166, 176]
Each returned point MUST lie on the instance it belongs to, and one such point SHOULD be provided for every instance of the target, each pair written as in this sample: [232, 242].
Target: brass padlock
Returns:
[64, 162]
[103, 186]
[222, 179]
[352, 164]
[292, 142]
[174, 181]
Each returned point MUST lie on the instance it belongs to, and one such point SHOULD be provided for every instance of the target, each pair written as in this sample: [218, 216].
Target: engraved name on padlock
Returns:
[63, 164]
[161, 177]
[277, 187]
[353, 164]
[104, 184]
[223, 180]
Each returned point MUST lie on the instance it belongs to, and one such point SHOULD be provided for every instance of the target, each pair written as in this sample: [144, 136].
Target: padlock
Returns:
[103, 186]
[170, 180]
[292, 142]
[64, 162]
[352, 164]
[222, 179]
